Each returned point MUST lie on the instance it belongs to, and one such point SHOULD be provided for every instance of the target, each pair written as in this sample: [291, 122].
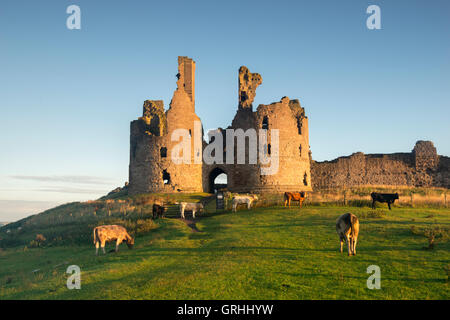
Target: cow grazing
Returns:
[243, 199]
[347, 227]
[107, 233]
[294, 196]
[158, 211]
[190, 206]
[383, 197]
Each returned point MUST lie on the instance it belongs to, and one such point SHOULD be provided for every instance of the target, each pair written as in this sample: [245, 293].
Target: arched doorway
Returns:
[218, 179]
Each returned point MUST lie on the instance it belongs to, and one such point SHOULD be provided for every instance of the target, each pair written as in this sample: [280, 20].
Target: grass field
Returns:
[265, 253]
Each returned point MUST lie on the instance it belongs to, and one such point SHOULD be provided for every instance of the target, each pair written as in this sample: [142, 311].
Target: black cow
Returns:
[383, 197]
[158, 211]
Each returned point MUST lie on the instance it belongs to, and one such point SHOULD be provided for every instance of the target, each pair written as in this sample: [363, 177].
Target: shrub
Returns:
[373, 214]
[434, 235]
[359, 203]
[38, 241]
[33, 244]
[144, 226]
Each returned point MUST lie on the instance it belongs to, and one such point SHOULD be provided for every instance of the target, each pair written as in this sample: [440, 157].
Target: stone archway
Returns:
[212, 184]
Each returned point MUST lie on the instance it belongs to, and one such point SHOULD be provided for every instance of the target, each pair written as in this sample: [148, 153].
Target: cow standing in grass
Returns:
[294, 196]
[243, 199]
[347, 227]
[383, 197]
[158, 211]
[107, 233]
[189, 206]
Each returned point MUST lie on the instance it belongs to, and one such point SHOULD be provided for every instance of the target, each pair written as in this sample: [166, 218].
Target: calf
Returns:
[243, 199]
[189, 206]
[383, 197]
[294, 196]
[347, 227]
[158, 211]
[107, 233]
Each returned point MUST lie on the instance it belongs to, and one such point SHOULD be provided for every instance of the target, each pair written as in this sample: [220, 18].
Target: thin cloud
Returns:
[71, 190]
[67, 179]
[13, 210]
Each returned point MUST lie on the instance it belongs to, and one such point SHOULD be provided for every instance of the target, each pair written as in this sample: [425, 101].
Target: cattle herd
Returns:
[347, 225]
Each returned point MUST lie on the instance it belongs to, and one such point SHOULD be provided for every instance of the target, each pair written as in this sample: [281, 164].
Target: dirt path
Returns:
[191, 224]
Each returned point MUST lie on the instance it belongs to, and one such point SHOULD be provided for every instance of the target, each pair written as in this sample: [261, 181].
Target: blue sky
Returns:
[67, 96]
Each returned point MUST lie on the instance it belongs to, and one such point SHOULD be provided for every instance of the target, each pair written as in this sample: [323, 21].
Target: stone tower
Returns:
[151, 166]
[291, 124]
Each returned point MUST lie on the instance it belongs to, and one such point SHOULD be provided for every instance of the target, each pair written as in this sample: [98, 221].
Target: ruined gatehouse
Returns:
[152, 169]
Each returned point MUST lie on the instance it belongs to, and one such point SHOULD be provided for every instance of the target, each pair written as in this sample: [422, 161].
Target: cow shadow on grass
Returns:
[163, 254]
[363, 277]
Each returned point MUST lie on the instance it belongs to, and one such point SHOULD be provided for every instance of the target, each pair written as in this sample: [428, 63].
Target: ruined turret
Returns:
[248, 82]
[425, 156]
[151, 166]
[292, 152]
[186, 76]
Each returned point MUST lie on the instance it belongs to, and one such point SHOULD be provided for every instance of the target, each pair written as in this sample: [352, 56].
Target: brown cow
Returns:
[158, 211]
[294, 196]
[347, 227]
[103, 234]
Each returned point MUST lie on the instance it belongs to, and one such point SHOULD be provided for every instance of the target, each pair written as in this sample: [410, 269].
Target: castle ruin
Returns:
[152, 169]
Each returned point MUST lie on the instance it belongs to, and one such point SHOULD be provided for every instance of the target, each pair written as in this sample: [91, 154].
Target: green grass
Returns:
[265, 253]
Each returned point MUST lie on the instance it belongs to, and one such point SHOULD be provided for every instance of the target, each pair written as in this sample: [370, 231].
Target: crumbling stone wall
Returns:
[248, 82]
[420, 168]
[154, 117]
[425, 156]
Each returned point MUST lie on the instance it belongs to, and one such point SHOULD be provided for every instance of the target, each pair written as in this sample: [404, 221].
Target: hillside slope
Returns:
[265, 253]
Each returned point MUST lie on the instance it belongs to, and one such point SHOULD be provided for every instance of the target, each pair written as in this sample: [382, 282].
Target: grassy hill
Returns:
[266, 253]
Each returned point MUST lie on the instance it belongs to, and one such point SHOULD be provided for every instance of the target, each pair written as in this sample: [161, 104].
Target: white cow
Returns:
[243, 199]
[190, 206]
